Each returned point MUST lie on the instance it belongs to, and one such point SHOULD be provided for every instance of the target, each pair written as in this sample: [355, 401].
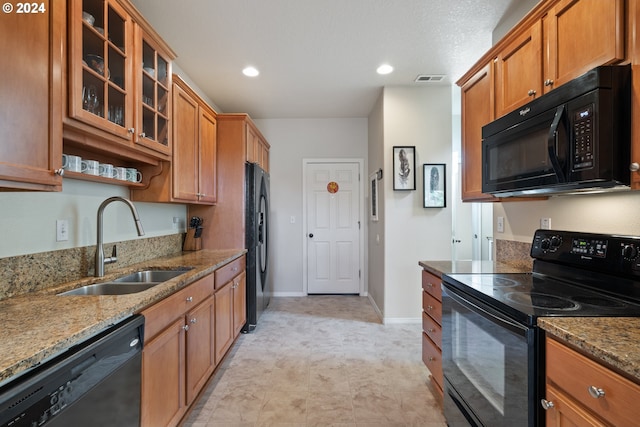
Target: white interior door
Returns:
[333, 228]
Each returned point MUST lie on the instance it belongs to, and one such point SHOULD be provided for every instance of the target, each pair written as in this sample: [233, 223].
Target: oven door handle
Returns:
[552, 144]
[494, 317]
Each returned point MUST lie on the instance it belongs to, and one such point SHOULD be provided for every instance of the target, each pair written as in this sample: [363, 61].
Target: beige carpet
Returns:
[321, 361]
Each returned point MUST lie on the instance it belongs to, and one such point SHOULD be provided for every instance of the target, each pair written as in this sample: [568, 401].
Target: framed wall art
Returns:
[435, 188]
[373, 197]
[404, 168]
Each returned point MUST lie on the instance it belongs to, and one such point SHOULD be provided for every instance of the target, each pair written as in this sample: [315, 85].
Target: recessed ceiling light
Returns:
[384, 69]
[250, 72]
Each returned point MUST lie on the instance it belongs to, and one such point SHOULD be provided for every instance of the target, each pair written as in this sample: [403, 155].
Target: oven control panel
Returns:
[619, 255]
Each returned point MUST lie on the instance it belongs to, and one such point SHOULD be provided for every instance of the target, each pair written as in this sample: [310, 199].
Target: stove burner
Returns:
[599, 301]
[544, 301]
[496, 282]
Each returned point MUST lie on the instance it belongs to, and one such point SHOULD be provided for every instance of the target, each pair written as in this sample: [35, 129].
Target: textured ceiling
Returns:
[317, 59]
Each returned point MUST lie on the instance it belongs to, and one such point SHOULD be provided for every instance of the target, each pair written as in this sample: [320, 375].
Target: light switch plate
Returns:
[62, 230]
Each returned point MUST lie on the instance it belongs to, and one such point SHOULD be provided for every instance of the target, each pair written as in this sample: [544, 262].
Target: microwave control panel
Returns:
[582, 124]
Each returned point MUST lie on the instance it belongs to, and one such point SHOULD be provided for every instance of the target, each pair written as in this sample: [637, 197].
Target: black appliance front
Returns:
[574, 138]
[97, 383]
[489, 363]
[257, 236]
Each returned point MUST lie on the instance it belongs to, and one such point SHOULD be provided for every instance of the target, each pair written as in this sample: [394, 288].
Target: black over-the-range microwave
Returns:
[575, 138]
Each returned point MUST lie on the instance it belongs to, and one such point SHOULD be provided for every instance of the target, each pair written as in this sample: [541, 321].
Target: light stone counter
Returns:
[439, 268]
[612, 340]
[41, 325]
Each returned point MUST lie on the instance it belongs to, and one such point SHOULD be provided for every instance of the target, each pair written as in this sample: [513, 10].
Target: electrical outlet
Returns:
[500, 224]
[62, 230]
[545, 223]
[176, 222]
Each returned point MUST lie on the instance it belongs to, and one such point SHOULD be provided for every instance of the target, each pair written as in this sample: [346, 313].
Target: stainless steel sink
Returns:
[150, 276]
[129, 284]
[111, 288]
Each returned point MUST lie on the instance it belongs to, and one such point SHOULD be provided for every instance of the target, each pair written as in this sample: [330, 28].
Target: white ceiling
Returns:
[318, 58]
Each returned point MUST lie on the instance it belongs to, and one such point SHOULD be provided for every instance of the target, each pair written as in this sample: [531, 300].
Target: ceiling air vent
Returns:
[429, 78]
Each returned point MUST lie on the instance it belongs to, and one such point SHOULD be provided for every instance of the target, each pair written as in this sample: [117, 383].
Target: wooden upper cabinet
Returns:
[581, 35]
[519, 71]
[185, 132]
[31, 98]
[477, 111]
[119, 81]
[191, 176]
[257, 147]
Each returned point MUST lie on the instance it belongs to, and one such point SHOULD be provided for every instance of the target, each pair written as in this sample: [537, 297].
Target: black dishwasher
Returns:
[95, 383]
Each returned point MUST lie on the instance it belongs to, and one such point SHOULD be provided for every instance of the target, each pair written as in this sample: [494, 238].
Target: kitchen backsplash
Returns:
[34, 272]
[514, 253]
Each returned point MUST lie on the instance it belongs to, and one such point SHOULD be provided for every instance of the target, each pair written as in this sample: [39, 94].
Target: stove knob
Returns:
[545, 244]
[629, 252]
[556, 241]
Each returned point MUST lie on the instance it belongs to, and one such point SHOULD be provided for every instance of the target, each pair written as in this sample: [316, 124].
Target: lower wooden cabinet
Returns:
[582, 392]
[432, 327]
[163, 385]
[186, 336]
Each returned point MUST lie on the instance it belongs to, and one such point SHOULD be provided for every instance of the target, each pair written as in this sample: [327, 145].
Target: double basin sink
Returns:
[129, 284]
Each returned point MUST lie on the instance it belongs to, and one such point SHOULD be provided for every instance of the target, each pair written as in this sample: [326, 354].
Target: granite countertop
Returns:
[39, 326]
[612, 340]
[467, 267]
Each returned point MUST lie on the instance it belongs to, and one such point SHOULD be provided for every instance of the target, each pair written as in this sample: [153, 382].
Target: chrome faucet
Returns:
[100, 260]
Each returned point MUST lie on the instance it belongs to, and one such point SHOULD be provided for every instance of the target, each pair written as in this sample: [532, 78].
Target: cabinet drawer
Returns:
[158, 316]
[226, 273]
[432, 357]
[432, 329]
[431, 284]
[574, 373]
[432, 307]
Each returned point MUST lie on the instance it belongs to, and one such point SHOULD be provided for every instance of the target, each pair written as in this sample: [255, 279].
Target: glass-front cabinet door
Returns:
[100, 53]
[152, 123]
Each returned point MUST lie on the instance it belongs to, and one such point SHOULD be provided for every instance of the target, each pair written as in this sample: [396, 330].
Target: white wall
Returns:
[613, 213]
[29, 218]
[419, 117]
[291, 141]
[376, 230]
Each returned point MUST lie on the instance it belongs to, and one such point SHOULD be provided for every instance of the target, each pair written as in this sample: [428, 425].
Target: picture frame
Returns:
[434, 185]
[404, 168]
[373, 197]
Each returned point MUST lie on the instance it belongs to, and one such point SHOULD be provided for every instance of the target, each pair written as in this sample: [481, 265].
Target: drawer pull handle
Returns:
[596, 392]
[189, 299]
[546, 404]
[430, 285]
[430, 307]
[432, 359]
[431, 330]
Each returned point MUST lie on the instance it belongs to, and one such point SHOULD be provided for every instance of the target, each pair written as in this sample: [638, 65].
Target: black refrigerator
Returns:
[257, 243]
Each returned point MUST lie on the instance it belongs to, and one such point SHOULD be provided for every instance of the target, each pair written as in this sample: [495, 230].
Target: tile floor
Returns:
[321, 361]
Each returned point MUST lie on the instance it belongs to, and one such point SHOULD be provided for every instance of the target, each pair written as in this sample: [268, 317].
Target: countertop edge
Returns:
[90, 314]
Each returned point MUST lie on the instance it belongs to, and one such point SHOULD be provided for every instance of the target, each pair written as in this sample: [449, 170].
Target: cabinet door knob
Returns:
[429, 284]
[531, 92]
[431, 330]
[59, 172]
[142, 135]
[131, 130]
[548, 82]
[193, 320]
[634, 167]
[189, 299]
[311, 235]
[185, 327]
[432, 359]
[546, 404]
[596, 392]
[430, 307]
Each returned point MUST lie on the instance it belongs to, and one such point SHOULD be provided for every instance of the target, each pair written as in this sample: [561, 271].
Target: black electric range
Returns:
[493, 350]
[574, 274]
